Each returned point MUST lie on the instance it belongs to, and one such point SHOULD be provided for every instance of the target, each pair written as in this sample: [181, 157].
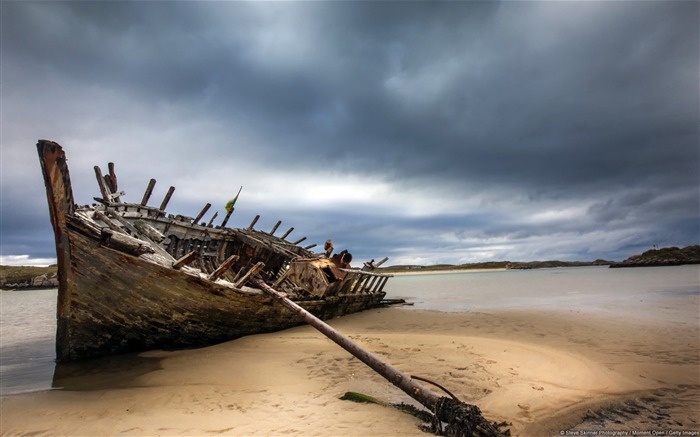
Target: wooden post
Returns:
[201, 213]
[149, 190]
[168, 195]
[177, 265]
[310, 246]
[462, 419]
[299, 240]
[103, 186]
[219, 272]
[212, 219]
[228, 215]
[381, 286]
[289, 231]
[255, 220]
[112, 177]
[371, 284]
[272, 232]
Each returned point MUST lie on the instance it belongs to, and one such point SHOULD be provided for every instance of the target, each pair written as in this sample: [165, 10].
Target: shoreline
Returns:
[446, 271]
[543, 371]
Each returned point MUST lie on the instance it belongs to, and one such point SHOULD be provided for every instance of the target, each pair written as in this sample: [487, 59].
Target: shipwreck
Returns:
[133, 277]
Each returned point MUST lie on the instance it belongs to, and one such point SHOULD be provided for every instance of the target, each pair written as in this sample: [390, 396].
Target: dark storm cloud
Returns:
[533, 118]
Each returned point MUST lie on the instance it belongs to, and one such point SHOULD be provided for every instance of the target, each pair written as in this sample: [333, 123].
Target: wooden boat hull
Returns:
[119, 303]
[111, 301]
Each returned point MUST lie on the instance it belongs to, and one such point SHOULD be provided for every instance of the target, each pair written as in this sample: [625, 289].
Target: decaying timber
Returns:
[451, 417]
[133, 278]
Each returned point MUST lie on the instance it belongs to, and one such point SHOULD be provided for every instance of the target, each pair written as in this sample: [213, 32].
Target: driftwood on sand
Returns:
[452, 417]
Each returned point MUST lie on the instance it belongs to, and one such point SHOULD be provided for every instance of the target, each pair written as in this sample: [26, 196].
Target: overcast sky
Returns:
[429, 132]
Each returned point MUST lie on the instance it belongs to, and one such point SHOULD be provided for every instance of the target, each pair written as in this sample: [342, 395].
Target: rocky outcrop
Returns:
[42, 281]
[27, 278]
[668, 256]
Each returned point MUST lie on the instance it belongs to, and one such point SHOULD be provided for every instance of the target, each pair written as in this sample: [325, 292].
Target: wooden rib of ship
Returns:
[134, 278]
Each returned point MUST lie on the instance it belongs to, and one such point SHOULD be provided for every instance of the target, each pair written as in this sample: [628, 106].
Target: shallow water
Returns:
[660, 294]
[27, 340]
[643, 293]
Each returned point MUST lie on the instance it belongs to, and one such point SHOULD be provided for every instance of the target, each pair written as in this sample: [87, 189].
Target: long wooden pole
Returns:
[463, 419]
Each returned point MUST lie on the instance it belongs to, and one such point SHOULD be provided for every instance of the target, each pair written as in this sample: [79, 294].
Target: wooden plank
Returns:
[177, 265]
[277, 225]
[299, 240]
[149, 190]
[135, 233]
[152, 233]
[108, 221]
[124, 243]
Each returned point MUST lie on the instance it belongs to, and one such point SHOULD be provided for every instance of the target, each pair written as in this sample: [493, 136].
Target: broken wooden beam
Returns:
[168, 195]
[108, 221]
[299, 240]
[149, 231]
[274, 228]
[124, 243]
[101, 182]
[177, 265]
[381, 261]
[255, 220]
[253, 271]
[461, 419]
[111, 179]
[310, 246]
[201, 213]
[212, 219]
[219, 272]
[289, 231]
[228, 215]
[149, 190]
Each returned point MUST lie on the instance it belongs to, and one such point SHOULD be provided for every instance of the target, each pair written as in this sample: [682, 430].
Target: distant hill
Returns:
[667, 256]
[509, 265]
[28, 277]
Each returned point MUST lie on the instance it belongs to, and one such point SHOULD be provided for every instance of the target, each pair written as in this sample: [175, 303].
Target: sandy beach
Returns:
[547, 373]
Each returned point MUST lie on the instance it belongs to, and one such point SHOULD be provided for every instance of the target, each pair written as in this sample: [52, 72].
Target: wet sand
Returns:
[547, 373]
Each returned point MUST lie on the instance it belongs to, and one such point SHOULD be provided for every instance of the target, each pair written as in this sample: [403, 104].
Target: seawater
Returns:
[28, 318]
[639, 292]
[27, 340]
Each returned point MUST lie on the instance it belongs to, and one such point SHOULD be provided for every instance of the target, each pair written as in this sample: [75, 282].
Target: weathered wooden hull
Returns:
[119, 303]
[112, 301]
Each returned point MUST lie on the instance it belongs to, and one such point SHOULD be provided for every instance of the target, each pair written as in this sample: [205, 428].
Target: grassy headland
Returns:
[12, 277]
